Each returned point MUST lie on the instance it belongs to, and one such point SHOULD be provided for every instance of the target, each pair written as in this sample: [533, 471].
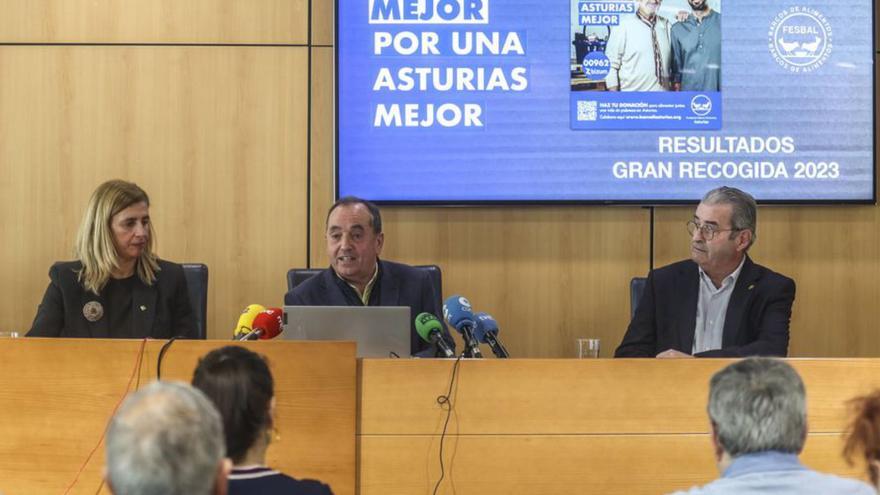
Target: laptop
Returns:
[380, 331]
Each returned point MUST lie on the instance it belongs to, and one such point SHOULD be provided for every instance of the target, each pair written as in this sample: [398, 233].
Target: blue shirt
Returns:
[780, 474]
[696, 53]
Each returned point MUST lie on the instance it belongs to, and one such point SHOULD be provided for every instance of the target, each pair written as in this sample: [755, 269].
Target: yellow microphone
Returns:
[246, 320]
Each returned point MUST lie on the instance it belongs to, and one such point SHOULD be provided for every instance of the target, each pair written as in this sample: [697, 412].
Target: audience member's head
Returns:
[166, 439]
[863, 434]
[757, 405]
[240, 385]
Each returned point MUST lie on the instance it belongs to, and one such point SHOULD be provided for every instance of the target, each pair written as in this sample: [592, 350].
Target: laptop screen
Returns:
[380, 331]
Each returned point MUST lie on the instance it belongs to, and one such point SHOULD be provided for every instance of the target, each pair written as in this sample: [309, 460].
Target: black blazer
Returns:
[167, 311]
[400, 285]
[756, 323]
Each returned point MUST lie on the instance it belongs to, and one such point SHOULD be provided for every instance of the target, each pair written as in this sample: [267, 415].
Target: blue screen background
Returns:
[527, 151]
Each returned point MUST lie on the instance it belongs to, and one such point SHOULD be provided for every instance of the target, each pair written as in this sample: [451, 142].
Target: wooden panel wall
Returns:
[216, 134]
[156, 21]
[323, 21]
[565, 426]
[54, 413]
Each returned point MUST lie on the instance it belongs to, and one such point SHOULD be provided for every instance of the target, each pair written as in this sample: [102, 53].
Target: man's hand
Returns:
[672, 354]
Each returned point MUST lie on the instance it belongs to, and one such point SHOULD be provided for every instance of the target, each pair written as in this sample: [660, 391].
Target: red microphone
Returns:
[267, 325]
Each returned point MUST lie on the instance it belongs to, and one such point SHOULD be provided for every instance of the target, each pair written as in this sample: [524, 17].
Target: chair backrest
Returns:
[197, 283]
[296, 276]
[636, 287]
[436, 281]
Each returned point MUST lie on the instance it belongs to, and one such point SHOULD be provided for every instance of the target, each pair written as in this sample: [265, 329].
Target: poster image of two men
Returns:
[636, 50]
[646, 45]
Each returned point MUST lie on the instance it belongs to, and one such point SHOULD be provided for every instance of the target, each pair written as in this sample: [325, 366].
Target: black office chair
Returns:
[296, 276]
[197, 283]
[636, 288]
[436, 281]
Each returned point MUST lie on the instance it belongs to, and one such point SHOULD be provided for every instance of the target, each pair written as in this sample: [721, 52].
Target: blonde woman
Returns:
[117, 287]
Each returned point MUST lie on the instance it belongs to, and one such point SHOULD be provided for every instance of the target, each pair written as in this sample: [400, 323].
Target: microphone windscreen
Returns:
[484, 323]
[457, 311]
[246, 320]
[270, 322]
[427, 323]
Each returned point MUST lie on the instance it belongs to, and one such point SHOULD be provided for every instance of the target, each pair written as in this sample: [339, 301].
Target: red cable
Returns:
[134, 373]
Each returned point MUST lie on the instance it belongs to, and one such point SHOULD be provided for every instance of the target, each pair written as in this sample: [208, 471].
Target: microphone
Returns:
[246, 321]
[457, 311]
[486, 332]
[266, 325]
[430, 330]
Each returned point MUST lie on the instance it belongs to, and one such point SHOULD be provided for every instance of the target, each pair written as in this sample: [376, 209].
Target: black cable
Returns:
[446, 400]
[162, 355]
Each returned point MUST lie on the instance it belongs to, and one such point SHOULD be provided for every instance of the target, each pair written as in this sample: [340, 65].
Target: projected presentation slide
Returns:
[618, 101]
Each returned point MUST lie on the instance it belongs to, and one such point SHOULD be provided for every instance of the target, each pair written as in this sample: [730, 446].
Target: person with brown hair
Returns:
[862, 436]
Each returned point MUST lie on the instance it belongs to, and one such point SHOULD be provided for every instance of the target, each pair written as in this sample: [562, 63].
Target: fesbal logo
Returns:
[429, 11]
[800, 39]
[701, 105]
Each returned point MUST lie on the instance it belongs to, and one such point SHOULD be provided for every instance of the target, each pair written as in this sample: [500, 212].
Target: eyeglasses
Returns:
[707, 230]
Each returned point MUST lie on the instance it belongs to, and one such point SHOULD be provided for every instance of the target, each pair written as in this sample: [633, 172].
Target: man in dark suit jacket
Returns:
[719, 303]
[357, 277]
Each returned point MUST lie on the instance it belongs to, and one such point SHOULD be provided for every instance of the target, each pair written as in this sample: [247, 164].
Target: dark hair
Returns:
[240, 385]
[375, 216]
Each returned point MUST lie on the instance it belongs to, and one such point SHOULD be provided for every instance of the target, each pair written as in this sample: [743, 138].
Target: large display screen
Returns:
[620, 101]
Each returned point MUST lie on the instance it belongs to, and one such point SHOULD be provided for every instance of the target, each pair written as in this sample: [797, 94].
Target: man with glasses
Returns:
[719, 303]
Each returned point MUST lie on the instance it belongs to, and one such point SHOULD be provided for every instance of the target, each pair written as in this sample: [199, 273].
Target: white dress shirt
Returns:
[712, 310]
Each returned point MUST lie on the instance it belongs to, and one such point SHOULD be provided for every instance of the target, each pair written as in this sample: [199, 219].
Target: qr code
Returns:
[586, 111]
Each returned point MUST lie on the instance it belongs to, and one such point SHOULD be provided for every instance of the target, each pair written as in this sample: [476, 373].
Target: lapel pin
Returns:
[750, 288]
[93, 311]
[143, 308]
